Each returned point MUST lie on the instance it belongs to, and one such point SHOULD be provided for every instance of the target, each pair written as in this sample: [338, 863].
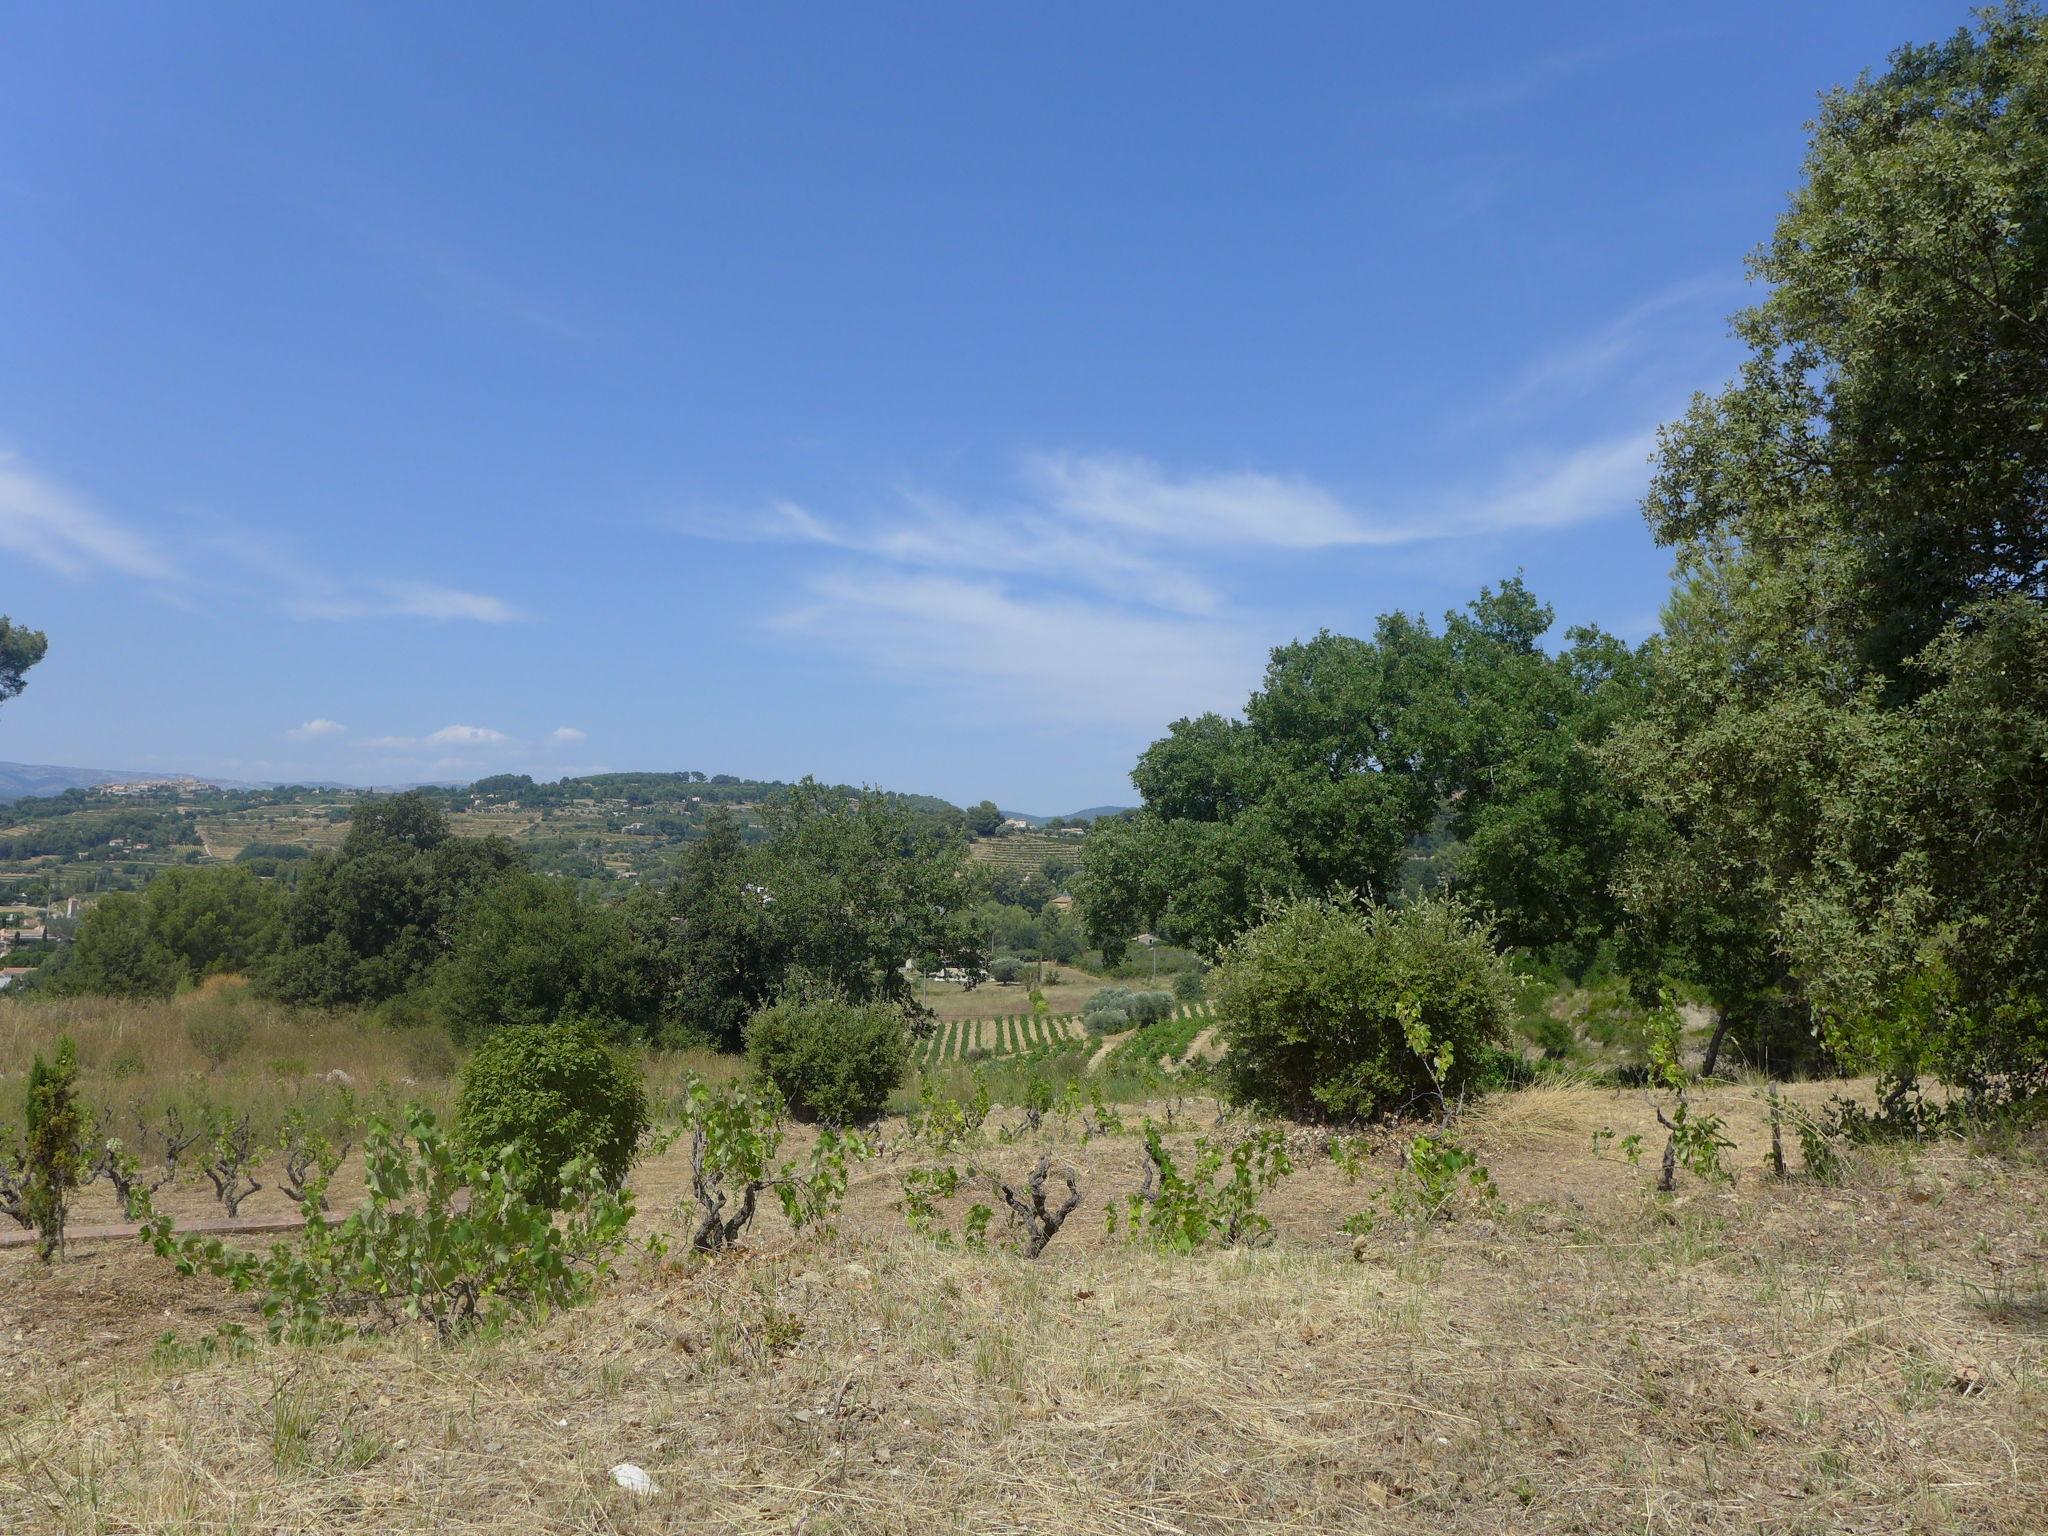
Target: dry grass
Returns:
[221, 1043]
[1767, 1357]
[949, 1000]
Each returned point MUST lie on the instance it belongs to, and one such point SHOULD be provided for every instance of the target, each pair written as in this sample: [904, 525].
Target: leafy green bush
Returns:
[1149, 1007]
[834, 1060]
[1107, 1021]
[555, 1092]
[218, 1030]
[1180, 1211]
[1006, 970]
[1189, 987]
[38, 1173]
[735, 1134]
[1108, 999]
[411, 1252]
[1313, 1004]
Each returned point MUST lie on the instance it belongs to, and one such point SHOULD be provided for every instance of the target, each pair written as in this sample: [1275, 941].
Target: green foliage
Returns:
[846, 890]
[1843, 754]
[414, 1251]
[1437, 1170]
[372, 920]
[736, 1133]
[833, 1060]
[1693, 1137]
[1106, 1021]
[218, 1029]
[1188, 986]
[1354, 750]
[1180, 1211]
[1318, 1004]
[54, 1148]
[1006, 970]
[1116, 1008]
[188, 925]
[942, 1122]
[925, 1190]
[528, 949]
[117, 954]
[556, 1093]
[20, 649]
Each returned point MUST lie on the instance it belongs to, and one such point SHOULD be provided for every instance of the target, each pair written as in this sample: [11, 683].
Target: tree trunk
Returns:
[1714, 1044]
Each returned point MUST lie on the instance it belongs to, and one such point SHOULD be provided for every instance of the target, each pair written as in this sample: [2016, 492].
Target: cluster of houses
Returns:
[28, 929]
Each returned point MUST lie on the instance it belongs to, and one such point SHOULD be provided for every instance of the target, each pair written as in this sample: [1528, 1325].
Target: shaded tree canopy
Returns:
[20, 649]
[1354, 748]
[1844, 748]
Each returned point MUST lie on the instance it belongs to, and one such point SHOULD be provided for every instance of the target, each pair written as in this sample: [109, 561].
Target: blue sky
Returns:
[941, 397]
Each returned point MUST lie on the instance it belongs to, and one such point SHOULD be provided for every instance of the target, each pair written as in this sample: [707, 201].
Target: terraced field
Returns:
[1022, 1034]
[1025, 850]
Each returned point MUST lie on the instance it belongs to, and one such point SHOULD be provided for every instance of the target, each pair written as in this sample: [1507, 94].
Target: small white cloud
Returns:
[312, 730]
[466, 736]
[565, 735]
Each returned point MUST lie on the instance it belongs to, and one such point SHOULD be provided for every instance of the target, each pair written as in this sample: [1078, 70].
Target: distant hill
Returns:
[21, 779]
[1092, 813]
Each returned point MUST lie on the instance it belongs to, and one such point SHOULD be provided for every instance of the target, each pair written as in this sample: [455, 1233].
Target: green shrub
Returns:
[218, 1031]
[54, 1152]
[735, 1133]
[413, 1251]
[1310, 1004]
[834, 1061]
[1188, 986]
[1179, 1210]
[1149, 1007]
[430, 1053]
[1107, 1021]
[1006, 970]
[555, 1092]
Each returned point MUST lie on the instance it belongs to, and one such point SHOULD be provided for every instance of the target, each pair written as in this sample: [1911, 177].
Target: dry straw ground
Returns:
[1770, 1358]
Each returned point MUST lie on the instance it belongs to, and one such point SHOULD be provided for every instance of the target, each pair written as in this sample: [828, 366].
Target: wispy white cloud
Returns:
[1662, 340]
[1052, 659]
[50, 524]
[466, 736]
[302, 590]
[314, 730]
[447, 266]
[1098, 587]
[566, 736]
[321, 598]
[47, 522]
[1209, 507]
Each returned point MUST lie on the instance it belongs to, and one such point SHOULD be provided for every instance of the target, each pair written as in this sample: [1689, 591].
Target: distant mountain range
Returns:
[1091, 814]
[18, 781]
[22, 779]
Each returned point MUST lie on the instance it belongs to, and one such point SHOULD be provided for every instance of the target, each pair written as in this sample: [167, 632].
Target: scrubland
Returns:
[1582, 1356]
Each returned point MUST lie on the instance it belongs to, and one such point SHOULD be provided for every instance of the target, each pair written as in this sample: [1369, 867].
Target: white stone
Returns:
[634, 1479]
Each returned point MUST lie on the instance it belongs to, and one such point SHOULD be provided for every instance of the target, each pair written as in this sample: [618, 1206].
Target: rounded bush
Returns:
[835, 1061]
[1315, 1005]
[1149, 1007]
[1006, 969]
[556, 1092]
[1118, 998]
[218, 1030]
[1107, 1021]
